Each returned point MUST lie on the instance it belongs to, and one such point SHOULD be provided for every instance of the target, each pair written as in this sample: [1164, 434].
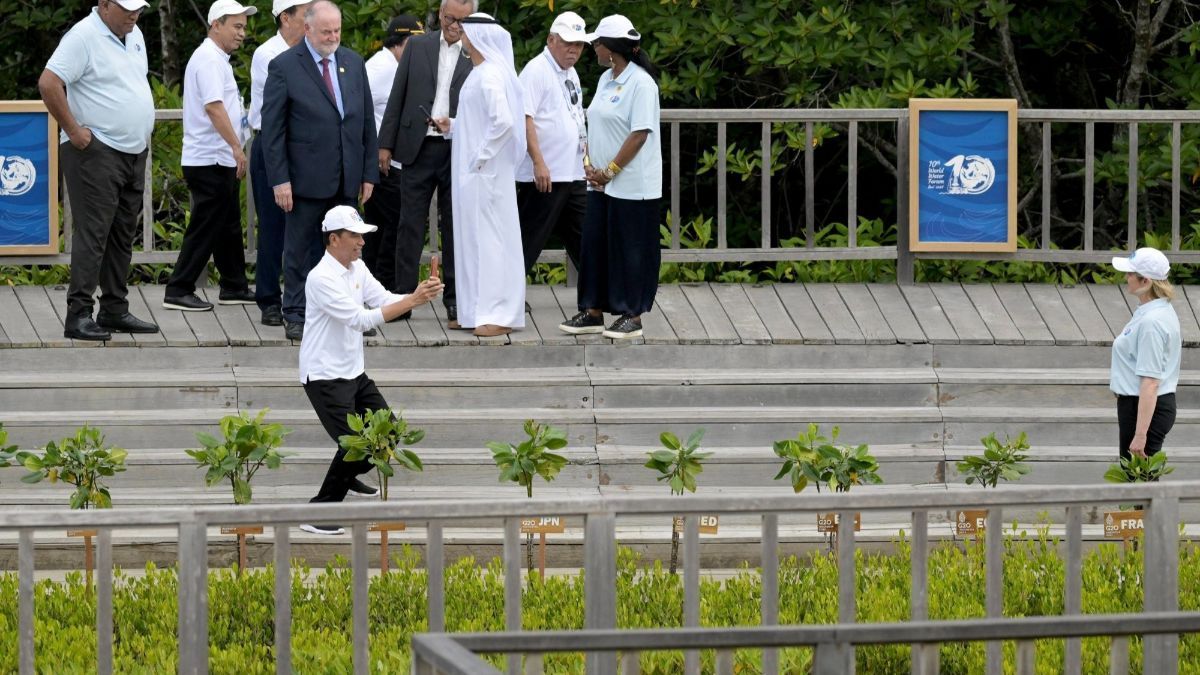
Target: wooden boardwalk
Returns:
[685, 314]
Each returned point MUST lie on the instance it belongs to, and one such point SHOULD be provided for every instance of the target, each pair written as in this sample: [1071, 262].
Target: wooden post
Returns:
[241, 532]
[89, 563]
[383, 529]
[542, 554]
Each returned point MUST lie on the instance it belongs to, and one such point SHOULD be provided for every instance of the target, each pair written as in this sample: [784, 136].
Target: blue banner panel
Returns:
[25, 179]
[962, 176]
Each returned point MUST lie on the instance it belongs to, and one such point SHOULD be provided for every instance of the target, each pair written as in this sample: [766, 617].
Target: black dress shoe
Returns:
[125, 323]
[84, 328]
[272, 316]
[293, 330]
[452, 312]
[370, 332]
[187, 303]
[243, 296]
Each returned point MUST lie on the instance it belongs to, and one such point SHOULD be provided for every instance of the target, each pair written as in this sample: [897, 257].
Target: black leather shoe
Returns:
[84, 328]
[186, 303]
[452, 312]
[125, 323]
[243, 296]
[370, 332]
[272, 316]
[293, 330]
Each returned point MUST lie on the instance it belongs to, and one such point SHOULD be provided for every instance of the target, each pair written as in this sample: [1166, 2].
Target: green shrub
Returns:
[999, 461]
[249, 445]
[377, 438]
[82, 460]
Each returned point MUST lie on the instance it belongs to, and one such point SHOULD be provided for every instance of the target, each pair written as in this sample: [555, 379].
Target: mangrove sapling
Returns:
[249, 444]
[377, 438]
[532, 457]
[678, 465]
[82, 460]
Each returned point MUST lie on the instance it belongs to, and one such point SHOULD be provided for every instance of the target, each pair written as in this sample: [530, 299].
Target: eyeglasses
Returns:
[450, 21]
[572, 92]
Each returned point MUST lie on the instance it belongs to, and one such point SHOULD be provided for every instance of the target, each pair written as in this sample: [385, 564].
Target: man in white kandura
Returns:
[489, 143]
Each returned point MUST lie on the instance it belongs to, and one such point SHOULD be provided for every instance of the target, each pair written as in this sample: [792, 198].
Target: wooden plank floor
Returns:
[747, 314]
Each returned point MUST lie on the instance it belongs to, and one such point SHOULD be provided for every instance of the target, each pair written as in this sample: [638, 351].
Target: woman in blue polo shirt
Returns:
[619, 250]
[1145, 356]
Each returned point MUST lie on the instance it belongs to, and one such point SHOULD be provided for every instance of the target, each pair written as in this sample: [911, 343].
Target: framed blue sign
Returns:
[28, 179]
[963, 175]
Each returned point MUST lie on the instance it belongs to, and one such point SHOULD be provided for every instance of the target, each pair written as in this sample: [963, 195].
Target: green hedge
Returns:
[241, 616]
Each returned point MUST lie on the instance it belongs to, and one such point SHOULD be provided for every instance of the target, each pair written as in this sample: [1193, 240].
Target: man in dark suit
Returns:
[318, 131]
[428, 78]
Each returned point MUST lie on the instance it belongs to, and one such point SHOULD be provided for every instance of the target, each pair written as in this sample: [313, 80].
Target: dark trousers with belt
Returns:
[620, 255]
[383, 211]
[559, 211]
[105, 188]
[302, 249]
[333, 400]
[418, 179]
[1160, 423]
[270, 232]
[215, 230]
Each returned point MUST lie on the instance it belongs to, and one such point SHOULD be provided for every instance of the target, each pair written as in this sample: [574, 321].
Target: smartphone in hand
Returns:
[428, 115]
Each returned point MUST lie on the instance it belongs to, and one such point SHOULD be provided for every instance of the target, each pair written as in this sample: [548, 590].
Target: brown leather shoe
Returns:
[492, 330]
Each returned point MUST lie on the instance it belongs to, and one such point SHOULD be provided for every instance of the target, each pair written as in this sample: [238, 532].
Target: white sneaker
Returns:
[326, 528]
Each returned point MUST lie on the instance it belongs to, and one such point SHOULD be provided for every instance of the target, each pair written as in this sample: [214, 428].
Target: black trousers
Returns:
[619, 255]
[418, 179]
[215, 230]
[383, 210]
[559, 211]
[333, 400]
[1160, 423]
[270, 233]
[302, 249]
[105, 188]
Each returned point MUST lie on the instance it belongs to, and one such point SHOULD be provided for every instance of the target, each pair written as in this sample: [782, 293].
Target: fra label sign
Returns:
[1123, 524]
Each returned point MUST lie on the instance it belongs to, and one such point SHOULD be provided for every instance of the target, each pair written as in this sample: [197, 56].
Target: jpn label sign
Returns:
[543, 525]
[1124, 524]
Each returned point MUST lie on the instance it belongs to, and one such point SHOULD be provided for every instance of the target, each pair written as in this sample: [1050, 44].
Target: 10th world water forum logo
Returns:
[968, 175]
[17, 176]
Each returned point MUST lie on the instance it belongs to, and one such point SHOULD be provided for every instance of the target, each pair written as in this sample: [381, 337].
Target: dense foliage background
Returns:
[804, 54]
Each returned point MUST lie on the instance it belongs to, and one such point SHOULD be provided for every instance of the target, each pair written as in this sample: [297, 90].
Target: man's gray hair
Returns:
[317, 6]
[474, 4]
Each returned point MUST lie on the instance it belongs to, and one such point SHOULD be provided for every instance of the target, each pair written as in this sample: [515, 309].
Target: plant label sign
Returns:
[397, 526]
[970, 522]
[1123, 524]
[828, 522]
[242, 530]
[708, 524]
[82, 533]
[543, 525]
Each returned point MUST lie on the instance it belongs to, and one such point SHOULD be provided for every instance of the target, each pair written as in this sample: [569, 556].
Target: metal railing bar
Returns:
[104, 603]
[676, 216]
[1116, 116]
[435, 568]
[919, 585]
[722, 185]
[512, 584]
[1176, 141]
[1089, 185]
[193, 597]
[148, 201]
[847, 609]
[1061, 256]
[360, 610]
[1118, 658]
[631, 663]
[852, 185]
[994, 591]
[923, 632]
[1046, 161]
[25, 568]
[770, 586]
[709, 115]
[1073, 600]
[765, 217]
[691, 586]
[283, 599]
[1026, 657]
[724, 662]
[439, 653]
[1132, 177]
[905, 267]
[533, 664]
[600, 582]
[810, 206]
[1161, 580]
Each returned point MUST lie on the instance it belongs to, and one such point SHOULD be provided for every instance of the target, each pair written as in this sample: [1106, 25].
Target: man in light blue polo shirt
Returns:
[95, 87]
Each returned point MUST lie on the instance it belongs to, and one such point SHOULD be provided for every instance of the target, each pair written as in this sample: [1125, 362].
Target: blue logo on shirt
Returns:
[614, 99]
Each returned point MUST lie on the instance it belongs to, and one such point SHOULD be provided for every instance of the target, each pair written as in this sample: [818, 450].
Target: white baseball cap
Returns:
[570, 27]
[222, 8]
[345, 218]
[1148, 262]
[133, 5]
[278, 6]
[614, 26]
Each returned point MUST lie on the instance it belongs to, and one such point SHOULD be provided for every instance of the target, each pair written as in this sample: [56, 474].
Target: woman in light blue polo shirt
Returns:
[619, 249]
[1145, 356]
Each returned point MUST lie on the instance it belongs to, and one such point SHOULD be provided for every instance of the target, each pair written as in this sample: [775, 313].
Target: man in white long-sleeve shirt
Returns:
[332, 366]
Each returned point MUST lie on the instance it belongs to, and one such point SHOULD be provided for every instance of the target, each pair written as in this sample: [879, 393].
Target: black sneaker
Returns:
[582, 324]
[293, 330]
[244, 296]
[624, 327]
[272, 315]
[370, 332]
[361, 489]
[324, 528]
[187, 303]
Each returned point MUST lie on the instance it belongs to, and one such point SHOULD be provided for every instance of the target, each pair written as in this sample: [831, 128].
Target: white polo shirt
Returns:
[620, 107]
[258, 76]
[334, 318]
[381, 73]
[107, 89]
[561, 125]
[208, 79]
